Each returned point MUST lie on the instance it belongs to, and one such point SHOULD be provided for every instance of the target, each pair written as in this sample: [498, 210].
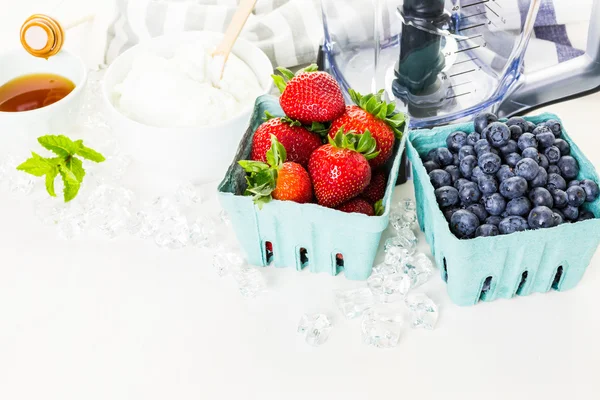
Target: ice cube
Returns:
[250, 281]
[352, 303]
[398, 248]
[225, 262]
[382, 327]
[187, 195]
[173, 233]
[407, 204]
[419, 268]
[390, 285]
[424, 312]
[315, 328]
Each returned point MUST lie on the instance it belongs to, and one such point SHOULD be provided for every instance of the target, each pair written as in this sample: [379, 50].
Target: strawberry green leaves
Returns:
[374, 105]
[66, 164]
[379, 207]
[363, 143]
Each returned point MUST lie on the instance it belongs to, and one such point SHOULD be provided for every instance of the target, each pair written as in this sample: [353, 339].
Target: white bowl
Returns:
[26, 126]
[163, 157]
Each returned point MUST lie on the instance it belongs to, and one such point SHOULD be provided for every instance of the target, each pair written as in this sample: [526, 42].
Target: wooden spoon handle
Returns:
[238, 20]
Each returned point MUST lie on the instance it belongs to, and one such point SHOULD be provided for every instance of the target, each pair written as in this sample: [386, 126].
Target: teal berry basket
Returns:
[302, 235]
[521, 263]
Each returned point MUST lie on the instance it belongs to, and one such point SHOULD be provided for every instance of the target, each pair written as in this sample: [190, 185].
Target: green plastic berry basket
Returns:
[488, 268]
[302, 235]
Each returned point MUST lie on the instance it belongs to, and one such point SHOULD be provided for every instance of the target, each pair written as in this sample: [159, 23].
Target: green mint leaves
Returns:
[66, 164]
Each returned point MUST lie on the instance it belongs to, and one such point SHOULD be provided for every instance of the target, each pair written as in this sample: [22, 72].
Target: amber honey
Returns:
[29, 92]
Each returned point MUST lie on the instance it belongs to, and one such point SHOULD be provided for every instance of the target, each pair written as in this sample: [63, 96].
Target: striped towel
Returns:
[290, 31]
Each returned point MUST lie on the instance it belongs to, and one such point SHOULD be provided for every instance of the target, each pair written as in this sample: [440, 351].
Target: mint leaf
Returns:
[87, 153]
[276, 155]
[76, 167]
[253, 166]
[36, 165]
[70, 181]
[58, 144]
[50, 177]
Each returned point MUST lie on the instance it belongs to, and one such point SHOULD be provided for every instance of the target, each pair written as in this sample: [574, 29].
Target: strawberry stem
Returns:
[361, 143]
[374, 105]
[379, 208]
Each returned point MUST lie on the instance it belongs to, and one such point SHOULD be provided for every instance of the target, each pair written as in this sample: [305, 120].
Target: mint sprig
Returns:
[69, 167]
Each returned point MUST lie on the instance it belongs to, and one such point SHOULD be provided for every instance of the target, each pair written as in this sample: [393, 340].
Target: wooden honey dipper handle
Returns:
[43, 36]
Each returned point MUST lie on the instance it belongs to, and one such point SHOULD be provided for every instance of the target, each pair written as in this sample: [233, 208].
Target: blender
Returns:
[445, 61]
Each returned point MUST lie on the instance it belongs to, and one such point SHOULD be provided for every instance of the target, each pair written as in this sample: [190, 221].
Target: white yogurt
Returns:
[177, 92]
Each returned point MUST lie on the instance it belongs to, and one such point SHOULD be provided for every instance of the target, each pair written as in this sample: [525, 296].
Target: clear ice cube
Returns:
[403, 219]
[382, 327]
[187, 195]
[424, 312]
[173, 233]
[315, 328]
[250, 281]
[225, 262]
[352, 303]
[419, 268]
[407, 204]
[389, 286]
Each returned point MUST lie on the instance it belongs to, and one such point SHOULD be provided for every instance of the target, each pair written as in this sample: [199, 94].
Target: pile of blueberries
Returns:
[508, 177]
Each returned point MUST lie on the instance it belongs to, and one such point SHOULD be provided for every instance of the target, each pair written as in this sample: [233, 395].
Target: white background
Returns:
[100, 319]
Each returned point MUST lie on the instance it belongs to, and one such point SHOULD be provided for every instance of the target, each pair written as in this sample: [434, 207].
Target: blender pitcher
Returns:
[442, 61]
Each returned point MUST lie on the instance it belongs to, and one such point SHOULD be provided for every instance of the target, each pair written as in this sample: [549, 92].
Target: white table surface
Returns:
[122, 319]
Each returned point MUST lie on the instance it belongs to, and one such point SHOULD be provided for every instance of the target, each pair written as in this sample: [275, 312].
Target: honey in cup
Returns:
[33, 91]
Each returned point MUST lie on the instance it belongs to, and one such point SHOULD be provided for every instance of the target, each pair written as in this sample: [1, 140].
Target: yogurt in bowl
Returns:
[170, 119]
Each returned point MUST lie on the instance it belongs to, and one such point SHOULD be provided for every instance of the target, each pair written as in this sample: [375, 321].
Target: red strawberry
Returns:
[277, 179]
[376, 116]
[357, 205]
[376, 189]
[299, 143]
[310, 96]
[338, 170]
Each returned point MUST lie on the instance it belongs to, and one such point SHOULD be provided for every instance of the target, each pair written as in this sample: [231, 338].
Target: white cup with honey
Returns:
[38, 96]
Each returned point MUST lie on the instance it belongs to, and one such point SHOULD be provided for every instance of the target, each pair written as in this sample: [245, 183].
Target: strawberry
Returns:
[338, 170]
[277, 179]
[376, 116]
[310, 96]
[299, 143]
[376, 189]
[357, 205]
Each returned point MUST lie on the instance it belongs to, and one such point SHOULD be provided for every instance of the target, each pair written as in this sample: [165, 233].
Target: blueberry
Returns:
[479, 210]
[527, 140]
[544, 162]
[497, 134]
[560, 214]
[494, 204]
[540, 217]
[560, 198]
[571, 213]
[482, 120]
[493, 220]
[443, 156]
[487, 184]
[466, 150]
[431, 155]
[440, 178]
[515, 132]
[469, 193]
[558, 218]
[518, 206]
[482, 146]
[510, 147]
[430, 166]
[563, 146]
[518, 121]
[527, 168]
[489, 163]
[472, 138]
[453, 171]
[512, 159]
[456, 140]
[585, 214]
[553, 169]
[568, 166]
[531, 152]
[460, 182]
[504, 173]
[574, 182]
[541, 197]
[530, 126]
[513, 187]
[576, 196]
[463, 224]
[487, 230]
[541, 179]
[554, 126]
[455, 160]
[449, 211]
[591, 189]
[545, 139]
[466, 166]
[512, 224]
[556, 181]
[446, 196]
[477, 173]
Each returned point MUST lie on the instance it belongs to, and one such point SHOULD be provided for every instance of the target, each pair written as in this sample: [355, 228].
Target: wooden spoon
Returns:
[222, 51]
